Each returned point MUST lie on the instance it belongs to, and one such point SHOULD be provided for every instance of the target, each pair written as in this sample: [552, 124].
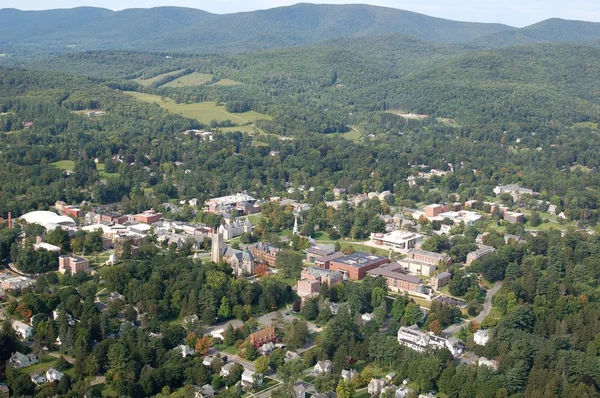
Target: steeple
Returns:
[217, 245]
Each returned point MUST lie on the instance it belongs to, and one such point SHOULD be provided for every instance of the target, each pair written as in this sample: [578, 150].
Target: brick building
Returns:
[325, 261]
[148, 217]
[264, 336]
[356, 265]
[397, 280]
[73, 264]
[264, 253]
[441, 279]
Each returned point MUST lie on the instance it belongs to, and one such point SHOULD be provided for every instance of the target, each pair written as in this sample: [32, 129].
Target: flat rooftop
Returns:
[359, 259]
[394, 270]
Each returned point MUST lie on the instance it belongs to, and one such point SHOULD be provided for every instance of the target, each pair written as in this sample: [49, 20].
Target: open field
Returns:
[227, 82]
[204, 112]
[64, 164]
[100, 169]
[193, 79]
[147, 82]
[41, 367]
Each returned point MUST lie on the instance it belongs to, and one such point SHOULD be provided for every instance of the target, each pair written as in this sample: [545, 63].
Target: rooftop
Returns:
[359, 259]
[394, 270]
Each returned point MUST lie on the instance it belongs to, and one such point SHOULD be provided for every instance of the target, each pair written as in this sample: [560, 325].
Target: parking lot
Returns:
[451, 301]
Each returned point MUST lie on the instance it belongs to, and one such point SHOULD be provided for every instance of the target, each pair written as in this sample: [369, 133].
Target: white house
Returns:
[18, 360]
[299, 390]
[53, 375]
[413, 338]
[208, 360]
[266, 349]
[323, 367]
[23, 329]
[348, 375]
[490, 363]
[290, 356]
[206, 391]
[37, 379]
[376, 386]
[226, 369]
[184, 350]
[481, 337]
[368, 317]
[248, 378]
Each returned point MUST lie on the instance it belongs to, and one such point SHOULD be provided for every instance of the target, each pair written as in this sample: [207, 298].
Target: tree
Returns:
[296, 334]
[202, 345]
[261, 270]
[22, 386]
[59, 237]
[413, 314]
[261, 364]
[435, 327]
[225, 309]
[290, 263]
[229, 336]
[345, 389]
[310, 311]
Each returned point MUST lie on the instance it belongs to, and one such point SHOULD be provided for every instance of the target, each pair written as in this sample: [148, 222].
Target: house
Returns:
[184, 350]
[18, 360]
[299, 390]
[206, 391]
[397, 280]
[490, 363]
[38, 379]
[249, 378]
[189, 321]
[323, 367]
[376, 386]
[226, 369]
[23, 329]
[266, 349]
[4, 393]
[73, 264]
[348, 375]
[368, 317]
[264, 336]
[481, 337]
[208, 360]
[53, 375]
[355, 266]
[413, 338]
[290, 356]
[441, 279]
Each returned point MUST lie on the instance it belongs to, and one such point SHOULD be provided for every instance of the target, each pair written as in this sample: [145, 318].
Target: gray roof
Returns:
[394, 270]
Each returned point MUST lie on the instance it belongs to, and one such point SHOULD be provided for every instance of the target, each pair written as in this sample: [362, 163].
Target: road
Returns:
[487, 308]
[246, 364]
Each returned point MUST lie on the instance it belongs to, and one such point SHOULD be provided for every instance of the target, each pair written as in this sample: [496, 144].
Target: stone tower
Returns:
[217, 245]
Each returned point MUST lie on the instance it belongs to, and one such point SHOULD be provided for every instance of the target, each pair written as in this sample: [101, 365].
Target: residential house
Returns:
[376, 386]
[481, 337]
[249, 378]
[38, 379]
[266, 349]
[206, 391]
[184, 350]
[54, 375]
[290, 356]
[323, 367]
[18, 360]
[490, 363]
[348, 375]
[226, 369]
[299, 390]
[24, 330]
[208, 360]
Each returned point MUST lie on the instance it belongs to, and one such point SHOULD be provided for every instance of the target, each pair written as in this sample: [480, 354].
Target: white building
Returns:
[514, 190]
[413, 338]
[226, 369]
[234, 229]
[481, 337]
[46, 246]
[249, 377]
[490, 363]
[38, 379]
[53, 375]
[323, 367]
[348, 375]
[23, 329]
[184, 350]
[398, 240]
[18, 360]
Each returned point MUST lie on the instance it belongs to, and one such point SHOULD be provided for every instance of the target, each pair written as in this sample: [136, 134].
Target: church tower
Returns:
[217, 245]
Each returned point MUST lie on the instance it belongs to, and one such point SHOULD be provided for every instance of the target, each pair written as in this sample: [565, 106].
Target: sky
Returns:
[512, 12]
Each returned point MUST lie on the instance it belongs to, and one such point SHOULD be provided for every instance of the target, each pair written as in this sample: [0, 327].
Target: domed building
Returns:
[48, 220]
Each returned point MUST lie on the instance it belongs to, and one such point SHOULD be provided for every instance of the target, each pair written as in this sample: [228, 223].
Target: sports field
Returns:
[204, 112]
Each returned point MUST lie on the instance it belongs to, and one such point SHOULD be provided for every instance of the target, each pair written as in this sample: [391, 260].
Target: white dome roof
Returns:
[48, 219]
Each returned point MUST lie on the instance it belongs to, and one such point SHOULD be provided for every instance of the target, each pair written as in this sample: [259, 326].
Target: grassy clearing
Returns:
[103, 174]
[64, 164]
[204, 112]
[254, 218]
[147, 82]
[352, 135]
[591, 125]
[193, 79]
[226, 82]
[41, 367]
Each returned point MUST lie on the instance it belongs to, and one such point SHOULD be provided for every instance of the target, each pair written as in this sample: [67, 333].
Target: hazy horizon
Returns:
[511, 12]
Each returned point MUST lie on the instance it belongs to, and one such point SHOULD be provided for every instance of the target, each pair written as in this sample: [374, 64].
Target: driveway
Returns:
[487, 308]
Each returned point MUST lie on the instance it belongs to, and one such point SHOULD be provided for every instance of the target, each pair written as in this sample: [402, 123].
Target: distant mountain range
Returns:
[191, 30]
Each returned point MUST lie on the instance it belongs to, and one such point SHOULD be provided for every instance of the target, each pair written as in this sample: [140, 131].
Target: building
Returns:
[46, 246]
[312, 278]
[264, 253]
[481, 252]
[249, 378]
[264, 336]
[348, 375]
[417, 267]
[401, 240]
[242, 262]
[4, 392]
[17, 283]
[217, 248]
[413, 338]
[225, 203]
[38, 379]
[514, 190]
[313, 253]
[397, 280]
[53, 375]
[299, 390]
[148, 217]
[208, 360]
[73, 264]
[184, 350]
[110, 218]
[226, 369]
[290, 356]
[206, 391]
[236, 228]
[429, 257]
[355, 266]
[325, 261]
[481, 337]
[435, 210]
[24, 330]
[266, 349]
[441, 279]
[513, 217]
[49, 220]
[18, 360]
[323, 367]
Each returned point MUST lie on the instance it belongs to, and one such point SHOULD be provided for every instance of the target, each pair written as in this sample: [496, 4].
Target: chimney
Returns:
[10, 220]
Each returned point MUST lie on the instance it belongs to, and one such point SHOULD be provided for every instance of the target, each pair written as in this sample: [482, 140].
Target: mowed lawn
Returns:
[204, 112]
[193, 79]
[64, 164]
[147, 82]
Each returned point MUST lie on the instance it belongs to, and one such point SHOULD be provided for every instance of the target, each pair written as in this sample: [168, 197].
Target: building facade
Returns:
[355, 266]
[73, 264]
[397, 280]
